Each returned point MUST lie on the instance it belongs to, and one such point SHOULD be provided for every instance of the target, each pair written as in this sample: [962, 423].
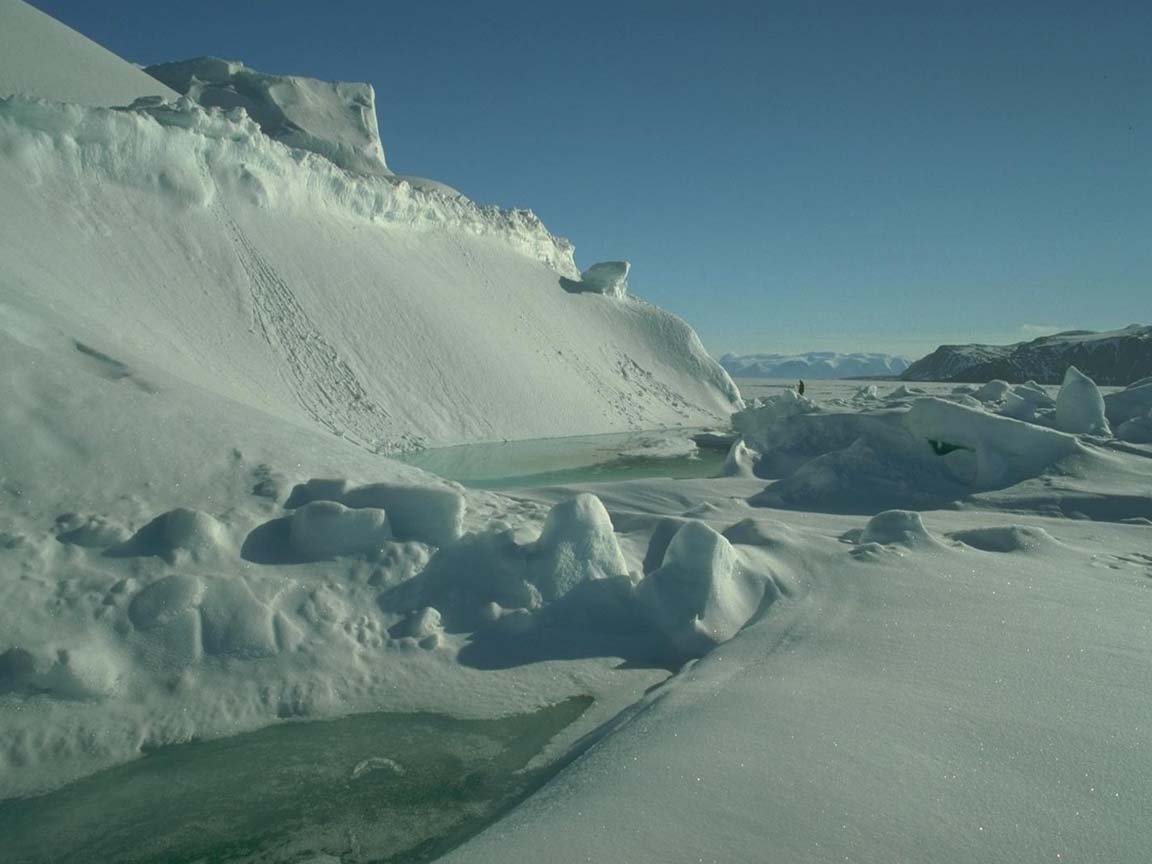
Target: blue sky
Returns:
[786, 176]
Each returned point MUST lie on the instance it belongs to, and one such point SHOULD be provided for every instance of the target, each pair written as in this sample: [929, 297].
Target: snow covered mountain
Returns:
[814, 364]
[1116, 357]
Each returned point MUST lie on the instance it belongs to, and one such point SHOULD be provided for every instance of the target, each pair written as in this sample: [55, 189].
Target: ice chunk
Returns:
[335, 119]
[700, 596]
[576, 544]
[326, 529]
[1079, 405]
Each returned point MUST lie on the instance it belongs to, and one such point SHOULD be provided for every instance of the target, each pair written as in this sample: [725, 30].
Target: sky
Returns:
[787, 176]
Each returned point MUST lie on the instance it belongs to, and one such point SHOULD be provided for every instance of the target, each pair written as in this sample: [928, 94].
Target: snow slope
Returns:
[815, 364]
[1116, 357]
[187, 239]
[39, 56]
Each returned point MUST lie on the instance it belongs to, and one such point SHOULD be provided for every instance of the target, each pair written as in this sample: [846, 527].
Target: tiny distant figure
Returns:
[800, 387]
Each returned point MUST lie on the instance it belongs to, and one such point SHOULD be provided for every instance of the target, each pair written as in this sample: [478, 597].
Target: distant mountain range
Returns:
[815, 364]
[1116, 357]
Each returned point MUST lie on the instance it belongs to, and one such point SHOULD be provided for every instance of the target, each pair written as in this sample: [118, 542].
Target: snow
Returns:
[909, 623]
[326, 529]
[1079, 405]
[43, 58]
[215, 250]
[335, 119]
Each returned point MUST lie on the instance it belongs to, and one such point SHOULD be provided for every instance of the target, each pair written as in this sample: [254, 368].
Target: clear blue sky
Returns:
[787, 176]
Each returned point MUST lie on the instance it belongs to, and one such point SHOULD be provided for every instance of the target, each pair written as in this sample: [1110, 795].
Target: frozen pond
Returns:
[371, 787]
[590, 458]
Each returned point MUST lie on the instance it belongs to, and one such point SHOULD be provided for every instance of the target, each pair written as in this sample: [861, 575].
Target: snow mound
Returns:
[335, 119]
[896, 527]
[165, 600]
[1005, 538]
[177, 536]
[1079, 406]
[40, 57]
[700, 596]
[576, 544]
[429, 514]
[326, 529]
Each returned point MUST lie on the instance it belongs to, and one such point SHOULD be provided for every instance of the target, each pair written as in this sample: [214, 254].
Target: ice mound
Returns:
[896, 527]
[576, 544]
[700, 596]
[1005, 538]
[1079, 406]
[334, 119]
[326, 529]
[609, 278]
